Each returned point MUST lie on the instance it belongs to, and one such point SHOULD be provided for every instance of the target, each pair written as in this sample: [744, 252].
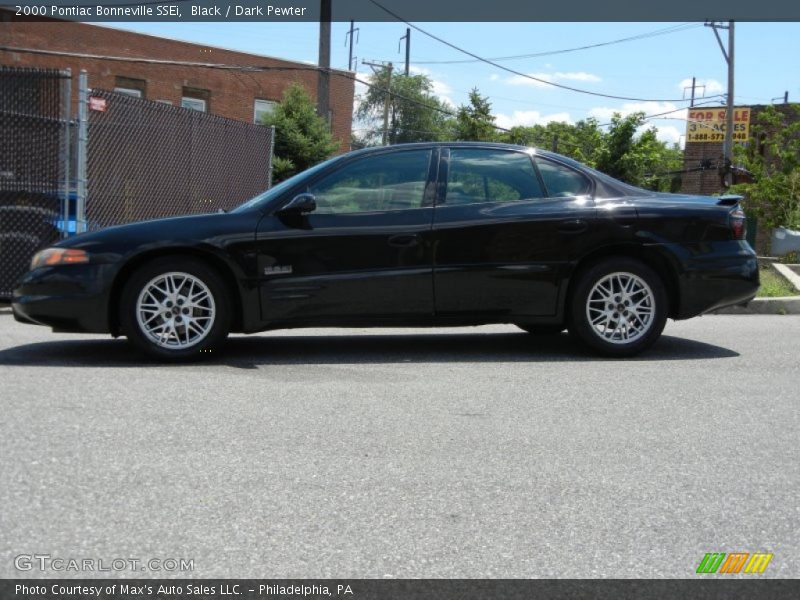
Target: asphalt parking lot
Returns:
[474, 452]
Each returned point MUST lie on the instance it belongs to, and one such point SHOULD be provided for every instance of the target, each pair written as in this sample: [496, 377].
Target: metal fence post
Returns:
[66, 119]
[83, 142]
[271, 154]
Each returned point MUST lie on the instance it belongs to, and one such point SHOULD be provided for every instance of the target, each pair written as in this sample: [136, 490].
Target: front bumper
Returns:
[68, 298]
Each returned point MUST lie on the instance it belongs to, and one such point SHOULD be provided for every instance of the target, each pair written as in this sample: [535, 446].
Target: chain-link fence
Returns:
[148, 160]
[34, 165]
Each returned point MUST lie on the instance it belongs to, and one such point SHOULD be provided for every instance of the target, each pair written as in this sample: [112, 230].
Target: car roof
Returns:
[466, 144]
[424, 145]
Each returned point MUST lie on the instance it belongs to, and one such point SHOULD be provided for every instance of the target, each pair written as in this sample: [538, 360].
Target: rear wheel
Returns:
[175, 308]
[618, 307]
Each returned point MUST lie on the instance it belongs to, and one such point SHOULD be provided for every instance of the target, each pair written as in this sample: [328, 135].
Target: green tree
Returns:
[474, 121]
[415, 113]
[302, 138]
[580, 141]
[773, 159]
[614, 157]
[640, 160]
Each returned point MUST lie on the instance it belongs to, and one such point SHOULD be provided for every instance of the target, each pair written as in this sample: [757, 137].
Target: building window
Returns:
[128, 92]
[194, 104]
[195, 99]
[130, 86]
[262, 108]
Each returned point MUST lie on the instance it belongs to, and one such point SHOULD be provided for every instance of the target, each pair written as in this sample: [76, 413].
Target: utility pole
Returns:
[387, 97]
[694, 87]
[323, 80]
[727, 147]
[785, 98]
[386, 103]
[407, 38]
[353, 30]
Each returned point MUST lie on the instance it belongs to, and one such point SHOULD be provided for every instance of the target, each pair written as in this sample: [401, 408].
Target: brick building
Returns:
[240, 95]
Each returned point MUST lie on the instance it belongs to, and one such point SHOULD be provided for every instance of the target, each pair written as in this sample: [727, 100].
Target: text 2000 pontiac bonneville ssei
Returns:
[435, 234]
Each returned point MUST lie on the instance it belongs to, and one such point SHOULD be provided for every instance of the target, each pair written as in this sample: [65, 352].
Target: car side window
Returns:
[485, 175]
[561, 181]
[392, 181]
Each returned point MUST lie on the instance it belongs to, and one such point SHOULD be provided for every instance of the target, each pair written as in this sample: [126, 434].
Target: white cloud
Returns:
[440, 89]
[666, 133]
[604, 113]
[552, 78]
[669, 134]
[712, 87]
[494, 77]
[528, 118]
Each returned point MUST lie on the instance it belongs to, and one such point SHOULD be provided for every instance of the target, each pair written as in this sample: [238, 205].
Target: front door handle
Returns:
[404, 240]
[573, 226]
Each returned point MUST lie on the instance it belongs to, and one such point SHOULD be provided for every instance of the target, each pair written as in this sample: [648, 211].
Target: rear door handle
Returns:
[404, 240]
[573, 226]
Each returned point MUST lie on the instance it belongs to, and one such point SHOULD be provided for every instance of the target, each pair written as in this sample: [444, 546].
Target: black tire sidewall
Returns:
[579, 323]
[130, 293]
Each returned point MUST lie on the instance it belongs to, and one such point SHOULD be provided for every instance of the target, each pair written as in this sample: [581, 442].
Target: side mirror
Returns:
[300, 204]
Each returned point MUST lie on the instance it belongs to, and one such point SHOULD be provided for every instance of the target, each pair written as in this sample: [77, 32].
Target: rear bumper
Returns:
[71, 298]
[724, 274]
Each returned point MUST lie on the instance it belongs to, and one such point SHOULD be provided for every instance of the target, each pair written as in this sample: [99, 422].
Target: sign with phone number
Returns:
[708, 125]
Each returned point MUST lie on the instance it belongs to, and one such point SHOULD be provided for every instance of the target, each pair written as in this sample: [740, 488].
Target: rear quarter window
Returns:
[562, 181]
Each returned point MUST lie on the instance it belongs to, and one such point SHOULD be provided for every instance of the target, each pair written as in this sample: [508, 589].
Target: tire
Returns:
[175, 309]
[543, 329]
[618, 307]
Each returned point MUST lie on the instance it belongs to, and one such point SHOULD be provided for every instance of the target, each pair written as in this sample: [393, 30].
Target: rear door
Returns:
[503, 237]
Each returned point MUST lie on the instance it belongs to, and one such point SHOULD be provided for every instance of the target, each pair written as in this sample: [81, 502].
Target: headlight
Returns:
[50, 257]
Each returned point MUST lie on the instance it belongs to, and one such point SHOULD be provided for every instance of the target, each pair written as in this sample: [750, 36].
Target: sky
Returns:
[655, 69]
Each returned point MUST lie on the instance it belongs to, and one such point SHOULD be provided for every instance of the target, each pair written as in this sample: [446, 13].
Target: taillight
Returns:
[738, 224]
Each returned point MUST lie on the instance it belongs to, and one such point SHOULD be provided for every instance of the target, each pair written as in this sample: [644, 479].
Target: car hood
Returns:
[190, 229]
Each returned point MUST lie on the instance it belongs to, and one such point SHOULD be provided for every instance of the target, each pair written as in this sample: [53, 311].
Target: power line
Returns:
[519, 73]
[642, 36]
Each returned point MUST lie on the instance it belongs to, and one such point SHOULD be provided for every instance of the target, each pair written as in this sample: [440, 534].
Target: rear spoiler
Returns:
[729, 200]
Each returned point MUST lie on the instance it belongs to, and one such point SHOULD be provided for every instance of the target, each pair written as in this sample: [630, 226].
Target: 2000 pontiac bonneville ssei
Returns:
[409, 235]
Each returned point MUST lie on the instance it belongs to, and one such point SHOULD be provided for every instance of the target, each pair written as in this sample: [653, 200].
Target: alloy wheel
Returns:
[620, 307]
[175, 310]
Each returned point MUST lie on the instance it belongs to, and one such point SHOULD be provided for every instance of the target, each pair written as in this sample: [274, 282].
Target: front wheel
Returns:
[175, 308]
[618, 307]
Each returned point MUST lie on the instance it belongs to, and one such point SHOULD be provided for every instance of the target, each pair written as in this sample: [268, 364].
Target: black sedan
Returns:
[412, 235]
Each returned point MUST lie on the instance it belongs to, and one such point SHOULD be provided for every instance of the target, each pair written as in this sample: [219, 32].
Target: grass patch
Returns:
[773, 285]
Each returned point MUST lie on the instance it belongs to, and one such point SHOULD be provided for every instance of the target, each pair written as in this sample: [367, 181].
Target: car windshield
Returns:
[267, 196]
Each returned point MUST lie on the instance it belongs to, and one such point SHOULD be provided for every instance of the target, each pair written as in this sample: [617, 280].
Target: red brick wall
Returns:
[232, 92]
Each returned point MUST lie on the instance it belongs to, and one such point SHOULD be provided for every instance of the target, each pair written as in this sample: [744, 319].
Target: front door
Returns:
[364, 253]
